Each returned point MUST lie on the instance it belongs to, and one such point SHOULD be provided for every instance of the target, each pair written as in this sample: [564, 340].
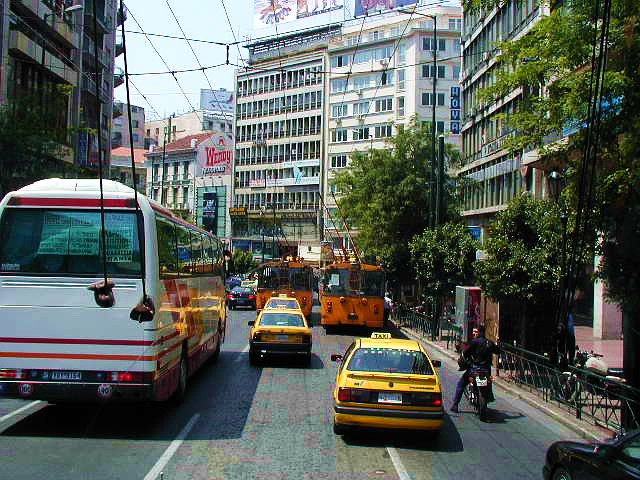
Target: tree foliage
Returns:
[33, 140]
[385, 194]
[443, 258]
[242, 262]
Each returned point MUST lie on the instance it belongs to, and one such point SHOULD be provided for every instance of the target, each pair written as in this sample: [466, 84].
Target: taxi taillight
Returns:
[304, 300]
[427, 398]
[354, 395]
[306, 338]
[251, 297]
[256, 337]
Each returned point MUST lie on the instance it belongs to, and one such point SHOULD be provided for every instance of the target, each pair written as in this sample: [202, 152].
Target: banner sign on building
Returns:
[217, 100]
[215, 156]
[364, 7]
[210, 211]
[270, 12]
[307, 8]
[455, 109]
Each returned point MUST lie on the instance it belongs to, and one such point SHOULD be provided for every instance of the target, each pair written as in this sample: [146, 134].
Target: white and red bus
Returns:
[56, 342]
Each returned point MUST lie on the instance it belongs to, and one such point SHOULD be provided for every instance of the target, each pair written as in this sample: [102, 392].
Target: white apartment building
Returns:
[187, 124]
[280, 110]
[381, 75]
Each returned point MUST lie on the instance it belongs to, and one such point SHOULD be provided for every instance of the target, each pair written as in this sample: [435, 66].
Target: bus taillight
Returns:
[329, 306]
[10, 373]
[130, 376]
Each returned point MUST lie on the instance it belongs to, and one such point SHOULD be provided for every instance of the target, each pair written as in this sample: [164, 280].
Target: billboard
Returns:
[364, 7]
[210, 211]
[215, 156]
[267, 13]
[217, 100]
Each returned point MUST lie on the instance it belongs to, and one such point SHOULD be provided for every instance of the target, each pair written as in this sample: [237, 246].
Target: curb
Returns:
[501, 384]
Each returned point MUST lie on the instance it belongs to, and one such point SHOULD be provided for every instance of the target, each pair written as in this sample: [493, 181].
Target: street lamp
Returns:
[432, 217]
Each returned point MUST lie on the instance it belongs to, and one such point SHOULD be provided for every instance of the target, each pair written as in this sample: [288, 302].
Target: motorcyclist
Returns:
[479, 352]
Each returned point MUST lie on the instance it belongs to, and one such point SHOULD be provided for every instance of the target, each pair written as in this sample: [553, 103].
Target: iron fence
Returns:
[407, 317]
[587, 395]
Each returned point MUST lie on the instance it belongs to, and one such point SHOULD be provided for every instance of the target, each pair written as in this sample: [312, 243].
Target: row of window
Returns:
[170, 168]
[274, 106]
[293, 127]
[360, 82]
[305, 200]
[280, 81]
[257, 178]
[287, 152]
[362, 133]
[492, 192]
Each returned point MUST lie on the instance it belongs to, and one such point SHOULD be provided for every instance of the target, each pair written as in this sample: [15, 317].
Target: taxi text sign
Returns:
[215, 156]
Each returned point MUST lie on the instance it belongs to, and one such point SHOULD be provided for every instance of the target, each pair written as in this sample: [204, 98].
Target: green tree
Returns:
[34, 140]
[443, 258]
[385, 194]
[523, 268]
[242, 262]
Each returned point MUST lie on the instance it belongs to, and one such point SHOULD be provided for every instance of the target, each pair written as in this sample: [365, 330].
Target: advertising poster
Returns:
[215, 156]
[210, 211]
[307, 8]
[364, 7]
[217, 100]
[269, 12]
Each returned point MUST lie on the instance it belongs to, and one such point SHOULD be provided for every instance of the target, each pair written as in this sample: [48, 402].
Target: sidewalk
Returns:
[584, 429]
[611, 349]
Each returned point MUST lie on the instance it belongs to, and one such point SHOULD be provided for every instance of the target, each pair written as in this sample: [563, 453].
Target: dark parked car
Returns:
[614, 460]
[242, 297]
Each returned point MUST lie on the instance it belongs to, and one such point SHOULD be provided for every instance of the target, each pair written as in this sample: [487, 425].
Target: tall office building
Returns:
[381, 76]
[280, 111]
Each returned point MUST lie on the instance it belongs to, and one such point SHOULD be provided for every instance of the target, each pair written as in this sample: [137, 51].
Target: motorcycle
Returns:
[604, 380]
[478, 391]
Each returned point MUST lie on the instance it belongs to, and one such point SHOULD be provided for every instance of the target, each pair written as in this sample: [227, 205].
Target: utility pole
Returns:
[164, 153]
[440, 180]
[273, 232]
[433, 125]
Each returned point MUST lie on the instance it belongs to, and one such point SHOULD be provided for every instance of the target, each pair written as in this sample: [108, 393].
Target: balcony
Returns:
[88, 48]
[118, 77]
[90, 86]
[119, 47]
[104, 23]
[120, 19]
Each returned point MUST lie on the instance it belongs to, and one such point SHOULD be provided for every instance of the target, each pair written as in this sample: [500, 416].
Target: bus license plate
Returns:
[66, 375]
[386, 397]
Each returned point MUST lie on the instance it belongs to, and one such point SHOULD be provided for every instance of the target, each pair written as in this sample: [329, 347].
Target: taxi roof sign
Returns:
[381, 335]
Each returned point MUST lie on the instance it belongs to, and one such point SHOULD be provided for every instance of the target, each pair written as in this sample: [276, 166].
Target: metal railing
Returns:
[407, 317]
[587, 395]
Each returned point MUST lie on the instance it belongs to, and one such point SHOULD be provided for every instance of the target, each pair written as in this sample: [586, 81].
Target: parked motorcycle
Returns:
[478, 391]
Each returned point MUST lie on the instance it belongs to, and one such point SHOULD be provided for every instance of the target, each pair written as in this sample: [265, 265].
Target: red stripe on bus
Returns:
[76, 341]
[169, 349]
[71, 202]
[78, 356]
[165, 338]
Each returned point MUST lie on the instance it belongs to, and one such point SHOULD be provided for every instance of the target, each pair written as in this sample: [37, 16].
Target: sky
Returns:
[160, 95]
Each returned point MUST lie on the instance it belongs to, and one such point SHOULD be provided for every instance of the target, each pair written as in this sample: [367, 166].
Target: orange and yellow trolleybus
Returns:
[352, 293]
[293, 277]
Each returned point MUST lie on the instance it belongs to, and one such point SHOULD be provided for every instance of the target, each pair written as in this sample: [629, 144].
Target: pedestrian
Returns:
[570, 338]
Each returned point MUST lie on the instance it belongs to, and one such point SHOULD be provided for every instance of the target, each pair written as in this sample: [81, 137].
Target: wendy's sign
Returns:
[215, 155]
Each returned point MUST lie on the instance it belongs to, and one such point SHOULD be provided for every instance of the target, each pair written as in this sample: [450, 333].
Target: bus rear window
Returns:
[68, 242]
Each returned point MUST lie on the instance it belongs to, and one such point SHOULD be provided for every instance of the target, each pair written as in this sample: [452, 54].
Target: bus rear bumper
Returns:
[77, 392]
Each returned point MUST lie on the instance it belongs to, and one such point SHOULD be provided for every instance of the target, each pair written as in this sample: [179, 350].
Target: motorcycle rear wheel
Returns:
[482, 406]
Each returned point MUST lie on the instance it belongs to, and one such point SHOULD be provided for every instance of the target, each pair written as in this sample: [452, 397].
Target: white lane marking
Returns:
[397, 463]
[239, 358]
[20, 410]
[168, 453]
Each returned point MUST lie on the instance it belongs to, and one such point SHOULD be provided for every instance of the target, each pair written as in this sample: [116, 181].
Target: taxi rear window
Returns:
[282, 303]
[282, 320]
[68, 242]
[390, 361]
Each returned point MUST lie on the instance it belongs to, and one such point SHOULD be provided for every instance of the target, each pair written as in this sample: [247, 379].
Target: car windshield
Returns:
[282, 320]
[390, 360]
[282, 303]
[242, 290]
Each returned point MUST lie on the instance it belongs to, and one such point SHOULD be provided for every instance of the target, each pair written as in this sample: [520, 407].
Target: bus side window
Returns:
[207, 254]
[196, 251]
[167, 253]
[184, 251]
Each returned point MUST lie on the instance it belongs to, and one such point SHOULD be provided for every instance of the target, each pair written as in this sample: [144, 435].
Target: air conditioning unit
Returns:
[338, 121]
[360, 91]
[384, 61]
[361, 117]
[485, 56]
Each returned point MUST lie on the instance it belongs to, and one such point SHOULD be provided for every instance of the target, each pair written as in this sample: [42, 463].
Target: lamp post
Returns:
[432, 214]
[556, 182]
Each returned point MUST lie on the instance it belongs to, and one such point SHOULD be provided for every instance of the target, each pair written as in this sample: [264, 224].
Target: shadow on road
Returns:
[447, 440]
[288, 362]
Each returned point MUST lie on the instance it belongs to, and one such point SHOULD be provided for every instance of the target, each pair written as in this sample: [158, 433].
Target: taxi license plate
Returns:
[481, 382]
[386, 397]
[66, 375]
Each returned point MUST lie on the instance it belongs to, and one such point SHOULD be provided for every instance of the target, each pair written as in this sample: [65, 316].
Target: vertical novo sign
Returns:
[455, 109]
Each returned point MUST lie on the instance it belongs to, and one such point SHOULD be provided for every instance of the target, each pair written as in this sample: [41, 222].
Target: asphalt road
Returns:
[270, 422]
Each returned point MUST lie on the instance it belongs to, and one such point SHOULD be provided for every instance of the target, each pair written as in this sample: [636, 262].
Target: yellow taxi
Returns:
[389, 383]
[278, 332]
[283, 301]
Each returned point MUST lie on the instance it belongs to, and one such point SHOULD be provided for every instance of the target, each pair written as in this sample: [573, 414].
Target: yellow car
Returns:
[280, 332]
[283, 301]
[385, 382]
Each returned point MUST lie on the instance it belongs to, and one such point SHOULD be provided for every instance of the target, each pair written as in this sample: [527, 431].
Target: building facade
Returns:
[52, 43]
[121, 171]
[120, 126]
[381, 76]
[280, 119]
[187, 124]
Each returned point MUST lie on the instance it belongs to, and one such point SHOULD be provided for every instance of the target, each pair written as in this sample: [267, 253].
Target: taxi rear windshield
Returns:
[68, 242]
[389, 360]
[281, 320]
[282, 304]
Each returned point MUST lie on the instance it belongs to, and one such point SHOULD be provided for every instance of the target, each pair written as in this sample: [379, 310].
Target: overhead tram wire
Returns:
[353, 57]
[224, 114]
[232, 32]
